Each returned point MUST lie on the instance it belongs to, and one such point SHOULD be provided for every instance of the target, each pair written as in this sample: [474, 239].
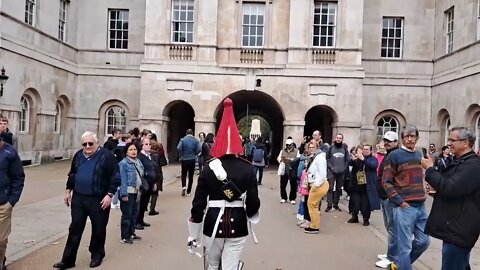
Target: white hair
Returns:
[90, 134]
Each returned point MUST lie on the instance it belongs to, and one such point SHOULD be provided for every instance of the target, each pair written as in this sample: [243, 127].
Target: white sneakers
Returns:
[382, 256]
[282, 201]
[292, 202]
[384, 262]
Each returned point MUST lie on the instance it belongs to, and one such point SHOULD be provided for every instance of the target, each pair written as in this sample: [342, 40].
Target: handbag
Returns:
[361, 177]
[281, 169]
[145, 186]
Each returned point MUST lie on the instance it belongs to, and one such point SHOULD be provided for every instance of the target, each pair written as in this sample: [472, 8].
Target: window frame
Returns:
[186, 33]
[382, 129]
[123, 119]
[118, 19]
[477, 133]
[30, 12]
[248, 26]
[449, 29]
[57, 120]
[24, 117]
[62, 20]
[446, 129]
[327, 25]
[392, 25]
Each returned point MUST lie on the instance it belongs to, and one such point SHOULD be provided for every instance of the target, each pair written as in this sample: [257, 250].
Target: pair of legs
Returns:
[314, 197]
[387, 210]
[259, 170]
[83, 206]
[143, 205]
[410, 221]
[360, 204]
[5, 229]
[335, 190]
[284, 180]
[129, 213]
[188, 167]
[227, 251]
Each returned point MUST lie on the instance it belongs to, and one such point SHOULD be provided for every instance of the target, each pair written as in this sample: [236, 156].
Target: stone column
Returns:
[295, 129]
[205, 124]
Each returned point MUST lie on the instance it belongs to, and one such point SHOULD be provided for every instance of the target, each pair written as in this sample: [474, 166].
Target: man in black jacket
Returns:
[112, 142]
[93, 179]
[390, 141]
[220, 186]
[455, 215]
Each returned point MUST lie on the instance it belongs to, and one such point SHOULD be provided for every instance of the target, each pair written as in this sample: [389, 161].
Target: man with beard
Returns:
[337, 162]
[390, 141]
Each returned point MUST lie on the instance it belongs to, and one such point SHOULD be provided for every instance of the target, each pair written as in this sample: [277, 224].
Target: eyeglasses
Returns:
[146, 144]
[89, 144]
[455, 140]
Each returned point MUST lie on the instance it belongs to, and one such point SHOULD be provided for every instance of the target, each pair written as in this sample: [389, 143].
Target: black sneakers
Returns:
[126, 241]
[311, 231]
[328, 209]
[337, 208]
[366, 222]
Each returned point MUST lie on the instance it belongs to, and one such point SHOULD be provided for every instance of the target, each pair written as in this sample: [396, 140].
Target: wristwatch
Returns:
[110, 195]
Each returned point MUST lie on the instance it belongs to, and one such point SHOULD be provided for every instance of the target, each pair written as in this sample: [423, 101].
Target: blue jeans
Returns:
[387, 210]
[259, 170]
[129, 210]
[455, 257]
[410, 222]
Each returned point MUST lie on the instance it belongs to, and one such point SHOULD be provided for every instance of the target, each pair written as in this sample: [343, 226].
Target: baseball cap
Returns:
[390, 136]
[289, 141]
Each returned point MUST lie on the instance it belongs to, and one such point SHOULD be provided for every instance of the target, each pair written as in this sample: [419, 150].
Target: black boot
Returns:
[353, 220]
[366, 222]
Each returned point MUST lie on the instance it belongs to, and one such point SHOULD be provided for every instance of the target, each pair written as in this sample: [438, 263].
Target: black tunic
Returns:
[234, 220]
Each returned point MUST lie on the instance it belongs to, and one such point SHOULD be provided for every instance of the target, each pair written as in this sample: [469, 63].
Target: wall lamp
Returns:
[3, 80]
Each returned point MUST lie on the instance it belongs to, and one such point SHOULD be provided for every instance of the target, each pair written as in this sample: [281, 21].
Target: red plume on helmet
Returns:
[228, 139]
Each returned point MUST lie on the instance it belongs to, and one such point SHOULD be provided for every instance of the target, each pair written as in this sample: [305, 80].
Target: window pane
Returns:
[259, 41]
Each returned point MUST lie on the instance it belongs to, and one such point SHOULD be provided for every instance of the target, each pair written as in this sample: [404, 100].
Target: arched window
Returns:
[58, 118]
[477, 133]
[446, 130]
[386, 123]
[24, 115]
[115, 118]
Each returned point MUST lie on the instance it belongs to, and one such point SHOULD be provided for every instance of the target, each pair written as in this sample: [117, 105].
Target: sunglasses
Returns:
[89, 144]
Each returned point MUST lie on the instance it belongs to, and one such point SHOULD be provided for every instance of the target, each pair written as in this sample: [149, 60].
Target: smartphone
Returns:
[424, 152]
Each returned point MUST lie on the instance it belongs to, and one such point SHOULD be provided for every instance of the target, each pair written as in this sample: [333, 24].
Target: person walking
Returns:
[188, 147]
[228, 186]
[92, 181]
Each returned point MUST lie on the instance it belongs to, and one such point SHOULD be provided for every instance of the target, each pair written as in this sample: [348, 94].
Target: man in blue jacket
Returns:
[188, 147]
[12, 178]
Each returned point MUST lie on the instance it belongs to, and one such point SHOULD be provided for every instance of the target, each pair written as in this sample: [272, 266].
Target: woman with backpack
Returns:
[259, 155]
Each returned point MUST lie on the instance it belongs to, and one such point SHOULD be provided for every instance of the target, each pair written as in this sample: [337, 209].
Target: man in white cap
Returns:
[228, 185]
[286, 156]
[390, 141]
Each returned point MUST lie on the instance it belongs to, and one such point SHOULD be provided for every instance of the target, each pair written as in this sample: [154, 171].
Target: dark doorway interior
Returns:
[258, 103]
[181, 117]
[320, 118]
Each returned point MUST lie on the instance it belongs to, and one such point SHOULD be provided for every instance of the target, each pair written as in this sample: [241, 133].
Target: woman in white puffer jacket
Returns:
[317, 178]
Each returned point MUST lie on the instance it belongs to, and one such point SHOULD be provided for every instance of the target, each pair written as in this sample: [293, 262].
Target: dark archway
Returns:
[262, 104]
[320, 118]
[181, 116]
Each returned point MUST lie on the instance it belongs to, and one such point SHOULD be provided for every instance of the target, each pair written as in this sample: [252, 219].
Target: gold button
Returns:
[220, 231]
[221, 220]
[233, 231]
[231, 220]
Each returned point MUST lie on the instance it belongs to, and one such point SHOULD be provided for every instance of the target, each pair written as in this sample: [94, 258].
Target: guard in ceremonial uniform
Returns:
[228, 187]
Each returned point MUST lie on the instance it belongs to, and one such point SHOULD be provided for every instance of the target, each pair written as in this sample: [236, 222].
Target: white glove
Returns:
[254, 219]
[194, 234]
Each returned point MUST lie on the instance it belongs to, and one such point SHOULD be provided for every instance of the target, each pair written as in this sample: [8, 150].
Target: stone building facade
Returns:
[358, 67]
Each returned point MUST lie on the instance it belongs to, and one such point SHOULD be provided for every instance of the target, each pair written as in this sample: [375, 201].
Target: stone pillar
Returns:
[293, 128]
[350, 131]
[205, 124]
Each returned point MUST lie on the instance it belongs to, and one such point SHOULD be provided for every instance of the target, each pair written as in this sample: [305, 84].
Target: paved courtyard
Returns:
[41, 220]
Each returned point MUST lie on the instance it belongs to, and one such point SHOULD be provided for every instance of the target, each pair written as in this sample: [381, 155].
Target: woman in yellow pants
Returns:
[317, 178]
